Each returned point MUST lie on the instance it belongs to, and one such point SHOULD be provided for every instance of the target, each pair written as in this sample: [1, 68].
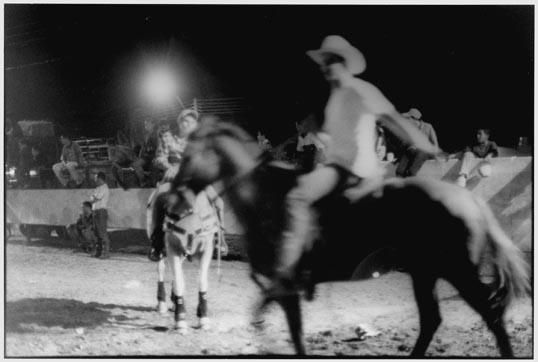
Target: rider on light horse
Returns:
[351, 116]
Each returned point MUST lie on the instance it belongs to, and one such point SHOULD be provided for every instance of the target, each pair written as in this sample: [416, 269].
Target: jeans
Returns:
[466, 163]
[100, 217]
[58, 169]
[297, 235]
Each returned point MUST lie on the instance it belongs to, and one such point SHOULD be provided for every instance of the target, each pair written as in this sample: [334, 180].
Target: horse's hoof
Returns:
[162, 308]
[181, 327]
[205, 323]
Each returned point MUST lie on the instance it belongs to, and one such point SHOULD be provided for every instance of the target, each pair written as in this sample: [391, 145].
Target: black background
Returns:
[462, 66]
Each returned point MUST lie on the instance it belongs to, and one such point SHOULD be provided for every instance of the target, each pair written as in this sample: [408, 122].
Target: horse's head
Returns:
[216, 151]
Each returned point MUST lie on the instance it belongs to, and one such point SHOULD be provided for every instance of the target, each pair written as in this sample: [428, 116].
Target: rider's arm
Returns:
[405, 130]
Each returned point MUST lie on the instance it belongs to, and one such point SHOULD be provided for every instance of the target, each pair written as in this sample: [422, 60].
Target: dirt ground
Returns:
[65, 303]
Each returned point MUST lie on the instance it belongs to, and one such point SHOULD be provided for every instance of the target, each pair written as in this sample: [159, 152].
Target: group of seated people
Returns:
[148, 162]
[308, 149]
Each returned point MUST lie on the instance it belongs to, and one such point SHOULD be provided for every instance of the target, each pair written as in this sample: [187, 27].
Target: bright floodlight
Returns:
[160, 86]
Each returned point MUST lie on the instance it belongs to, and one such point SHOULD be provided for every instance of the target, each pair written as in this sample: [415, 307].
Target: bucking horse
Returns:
[439, 230]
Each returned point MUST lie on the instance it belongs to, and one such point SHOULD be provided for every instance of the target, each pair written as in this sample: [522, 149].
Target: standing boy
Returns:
[99, 201]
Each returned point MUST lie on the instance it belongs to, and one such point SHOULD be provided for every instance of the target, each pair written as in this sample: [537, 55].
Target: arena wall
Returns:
[508, 191]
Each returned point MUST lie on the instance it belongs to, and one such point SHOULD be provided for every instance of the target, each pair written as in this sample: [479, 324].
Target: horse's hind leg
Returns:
[476, 294]
[205, 261]
[428, 308]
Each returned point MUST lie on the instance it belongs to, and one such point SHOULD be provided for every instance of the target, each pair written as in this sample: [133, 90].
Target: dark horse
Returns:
[439, 231]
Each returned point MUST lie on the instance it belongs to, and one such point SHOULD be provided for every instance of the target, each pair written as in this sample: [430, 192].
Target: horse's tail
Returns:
[512, 268]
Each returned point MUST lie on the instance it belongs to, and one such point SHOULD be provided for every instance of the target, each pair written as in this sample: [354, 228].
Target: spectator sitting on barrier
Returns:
[122, 157]
[83, 232]
[146, 153]
[24, 163]
[483, 148]
[70, 159]
[412, 158]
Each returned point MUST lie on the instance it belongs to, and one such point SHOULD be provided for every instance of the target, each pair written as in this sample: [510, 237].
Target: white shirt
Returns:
[351, 127]
[100, 196]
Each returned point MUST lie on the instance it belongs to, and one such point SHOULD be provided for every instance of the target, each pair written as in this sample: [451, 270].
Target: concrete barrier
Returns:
[126, 209]
[508, 191]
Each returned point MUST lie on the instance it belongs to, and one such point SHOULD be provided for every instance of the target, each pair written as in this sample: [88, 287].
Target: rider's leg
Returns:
[310, 188]
[158, 210]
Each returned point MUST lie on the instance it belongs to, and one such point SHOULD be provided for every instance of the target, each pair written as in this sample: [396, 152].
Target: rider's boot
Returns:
[180, 315]
[201, 311]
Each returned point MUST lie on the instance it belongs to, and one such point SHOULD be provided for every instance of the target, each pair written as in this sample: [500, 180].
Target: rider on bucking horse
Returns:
[354, 109]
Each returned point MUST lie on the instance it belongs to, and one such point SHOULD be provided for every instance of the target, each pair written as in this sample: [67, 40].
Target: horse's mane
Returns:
[213, 127]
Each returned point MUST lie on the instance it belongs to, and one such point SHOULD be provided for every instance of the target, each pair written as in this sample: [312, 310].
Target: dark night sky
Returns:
[462, 66]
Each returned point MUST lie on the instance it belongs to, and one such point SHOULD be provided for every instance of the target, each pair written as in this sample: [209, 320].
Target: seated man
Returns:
[122, 158]
[70, 159]
[483, 148]
[82, 232]
[413, 158]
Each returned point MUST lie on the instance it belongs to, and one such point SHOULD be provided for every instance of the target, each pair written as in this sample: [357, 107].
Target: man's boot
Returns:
[105, 254]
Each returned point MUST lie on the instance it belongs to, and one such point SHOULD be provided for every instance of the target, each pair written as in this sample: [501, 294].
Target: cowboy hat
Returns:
[188, 112]
[335, 44]
[413, 113]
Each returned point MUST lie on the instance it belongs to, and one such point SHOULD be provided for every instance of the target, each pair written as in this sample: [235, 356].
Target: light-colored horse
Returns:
[191, 224]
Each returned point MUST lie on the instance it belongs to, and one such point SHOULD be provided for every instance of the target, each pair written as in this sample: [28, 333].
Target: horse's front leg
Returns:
[178, 288]
[292, 309]
[205, 261]
[161, 290]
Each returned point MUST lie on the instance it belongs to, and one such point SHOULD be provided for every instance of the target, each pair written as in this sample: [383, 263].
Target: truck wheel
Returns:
[376, 264]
